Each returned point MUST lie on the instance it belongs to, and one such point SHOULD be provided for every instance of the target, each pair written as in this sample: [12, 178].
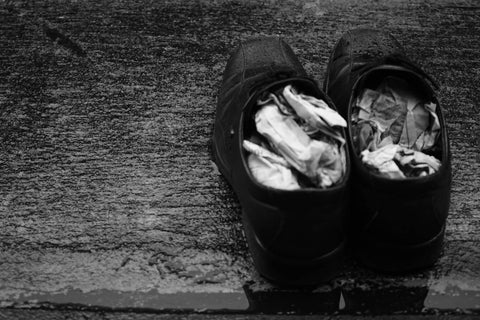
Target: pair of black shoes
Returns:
[299, 237]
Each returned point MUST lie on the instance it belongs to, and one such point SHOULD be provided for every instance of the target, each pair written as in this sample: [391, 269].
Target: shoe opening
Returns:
[293, 139]
[396, 125]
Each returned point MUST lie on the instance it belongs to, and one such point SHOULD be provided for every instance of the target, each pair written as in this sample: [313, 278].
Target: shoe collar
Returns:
[377, 178]
[314, 89]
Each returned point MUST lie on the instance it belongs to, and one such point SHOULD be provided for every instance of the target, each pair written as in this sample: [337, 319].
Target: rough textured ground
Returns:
[108, 195]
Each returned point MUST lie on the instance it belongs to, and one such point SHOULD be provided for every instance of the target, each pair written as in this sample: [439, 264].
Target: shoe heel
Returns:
[400, 259]
[293, 271]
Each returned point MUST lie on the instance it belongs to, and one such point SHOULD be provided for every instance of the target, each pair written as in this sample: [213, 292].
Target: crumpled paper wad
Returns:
[288, 122]
[395, 161]
[396, 115]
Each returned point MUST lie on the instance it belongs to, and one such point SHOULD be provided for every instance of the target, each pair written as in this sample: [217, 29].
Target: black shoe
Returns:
[397, 225]
[295, 237]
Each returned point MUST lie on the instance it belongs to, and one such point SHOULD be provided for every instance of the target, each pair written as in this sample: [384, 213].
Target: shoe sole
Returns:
[218, 162]
[391, 258]
[290, 271]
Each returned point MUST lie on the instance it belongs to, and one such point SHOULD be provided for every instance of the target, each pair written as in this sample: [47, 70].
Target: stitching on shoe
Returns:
[350, 55]
[243, 61]
[285, 61]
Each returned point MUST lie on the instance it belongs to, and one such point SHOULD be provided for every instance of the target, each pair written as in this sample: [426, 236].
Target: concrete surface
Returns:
[108, 196]
[83, 315]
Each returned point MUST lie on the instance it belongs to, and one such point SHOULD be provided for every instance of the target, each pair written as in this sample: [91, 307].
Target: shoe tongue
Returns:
[279, 80]
[271, 77]
[271, 72]
[395, 59]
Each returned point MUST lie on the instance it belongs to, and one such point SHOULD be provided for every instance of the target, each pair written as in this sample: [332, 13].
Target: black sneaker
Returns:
[295, 237]
[398, 225]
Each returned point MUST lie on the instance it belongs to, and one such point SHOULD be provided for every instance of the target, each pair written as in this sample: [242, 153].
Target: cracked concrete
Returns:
[106, 181]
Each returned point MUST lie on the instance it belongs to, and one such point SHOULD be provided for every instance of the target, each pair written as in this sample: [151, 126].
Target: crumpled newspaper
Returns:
[395, 161]
[394, 122]
[316, 113]
[303, 131]
[269, 168]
